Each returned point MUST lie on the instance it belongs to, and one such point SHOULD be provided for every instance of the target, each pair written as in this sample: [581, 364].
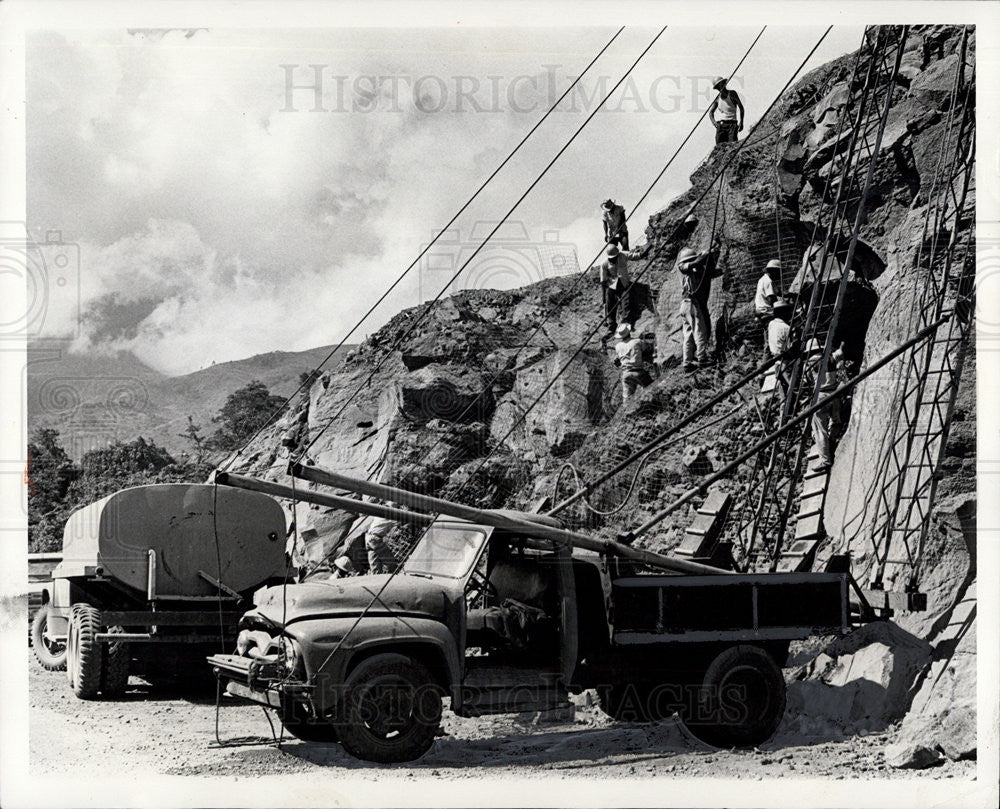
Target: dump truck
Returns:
[153, 578]
[503, 611]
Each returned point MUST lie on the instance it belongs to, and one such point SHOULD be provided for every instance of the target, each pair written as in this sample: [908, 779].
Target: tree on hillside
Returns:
[199, 442]
[49, 474]
[121, 465]
[245, 411]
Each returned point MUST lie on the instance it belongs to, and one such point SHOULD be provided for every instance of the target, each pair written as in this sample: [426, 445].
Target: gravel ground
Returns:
[155, 731]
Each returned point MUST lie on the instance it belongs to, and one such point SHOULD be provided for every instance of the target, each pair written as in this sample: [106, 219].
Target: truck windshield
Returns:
[448, 552]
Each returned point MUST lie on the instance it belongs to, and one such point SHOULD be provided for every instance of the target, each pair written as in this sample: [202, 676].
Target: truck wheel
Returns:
[50, 653]
[742, 699]
[83, 652]
[115, 671]
[303, 725]
[391, 710]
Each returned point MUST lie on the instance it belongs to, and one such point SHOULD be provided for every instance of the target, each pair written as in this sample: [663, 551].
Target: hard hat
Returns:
[718, 80]
[623, 331]
[344, 565]
[783, 305]
[612, 250]
[813, 347]
[686, 253]
[774, 264]
[608, 204]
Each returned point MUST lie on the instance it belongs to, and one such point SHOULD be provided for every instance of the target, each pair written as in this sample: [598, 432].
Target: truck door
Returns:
[521, 638]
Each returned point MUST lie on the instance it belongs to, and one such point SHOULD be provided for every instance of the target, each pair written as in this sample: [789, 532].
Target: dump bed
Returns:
[180, 523]
[731, 608]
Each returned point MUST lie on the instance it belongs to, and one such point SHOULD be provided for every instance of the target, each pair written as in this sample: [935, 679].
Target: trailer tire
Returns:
[115, 671]
[302, 725]
[83, 652]
[391, 710]
[741, 700]
[50, 654]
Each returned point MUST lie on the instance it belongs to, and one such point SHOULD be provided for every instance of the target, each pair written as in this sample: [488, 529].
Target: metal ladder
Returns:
[775, 479]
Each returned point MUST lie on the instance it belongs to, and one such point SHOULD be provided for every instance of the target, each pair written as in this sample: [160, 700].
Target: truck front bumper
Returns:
[260, 679]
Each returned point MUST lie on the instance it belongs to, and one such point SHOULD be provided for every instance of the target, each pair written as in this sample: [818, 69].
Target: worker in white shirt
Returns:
[730, 109]
[629, 354]
[767, 294]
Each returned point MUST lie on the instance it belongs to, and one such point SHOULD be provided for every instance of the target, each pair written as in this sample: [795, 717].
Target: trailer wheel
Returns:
[741, 701]
[83, 652]
[50, 653]
[391, 710]
[303, 725]
[115, 671]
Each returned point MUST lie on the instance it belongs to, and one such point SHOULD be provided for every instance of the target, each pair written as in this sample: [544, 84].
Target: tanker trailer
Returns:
[153, 577]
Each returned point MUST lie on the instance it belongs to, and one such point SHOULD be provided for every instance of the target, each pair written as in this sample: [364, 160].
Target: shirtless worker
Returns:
[730, 110]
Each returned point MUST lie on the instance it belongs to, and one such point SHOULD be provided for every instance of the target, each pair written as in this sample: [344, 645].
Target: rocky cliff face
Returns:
[452, 410]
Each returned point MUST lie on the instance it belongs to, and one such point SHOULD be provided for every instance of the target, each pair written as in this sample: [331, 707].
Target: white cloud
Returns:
[249, 229]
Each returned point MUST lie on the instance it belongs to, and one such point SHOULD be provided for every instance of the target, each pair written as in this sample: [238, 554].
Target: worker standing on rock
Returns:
[630, 355]
[615, 226]
[616, 284]
[696, 283]
[730, 109]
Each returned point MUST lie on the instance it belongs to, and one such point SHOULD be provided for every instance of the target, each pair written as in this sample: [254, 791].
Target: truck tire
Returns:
[302, 725]
[51, 654]
[741, 701]
[83, 652]
[115, 671]
[391, 710]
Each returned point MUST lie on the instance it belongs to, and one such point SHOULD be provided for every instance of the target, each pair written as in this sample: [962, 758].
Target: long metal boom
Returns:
[498, 520]
[322, 499]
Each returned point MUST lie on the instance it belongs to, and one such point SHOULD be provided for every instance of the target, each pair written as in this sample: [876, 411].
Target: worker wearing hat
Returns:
[629, 355]
[730, 111]
[696, 283]
[615, 226]
[767, 294]
[824, 419]
[616, 284]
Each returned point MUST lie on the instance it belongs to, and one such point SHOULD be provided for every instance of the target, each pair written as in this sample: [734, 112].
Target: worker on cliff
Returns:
[631, 354]
[778, 343]
[730, 109]
[828, 417]
[616, 285]
[696, 283]
[615, 226]
[767, 294]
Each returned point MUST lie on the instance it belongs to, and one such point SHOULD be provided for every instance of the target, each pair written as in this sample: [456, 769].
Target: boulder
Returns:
[860, 683]
[438, 392]
[908, 756]
[566, 411]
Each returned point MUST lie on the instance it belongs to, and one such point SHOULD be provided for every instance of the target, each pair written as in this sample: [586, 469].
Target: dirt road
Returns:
[158, 732]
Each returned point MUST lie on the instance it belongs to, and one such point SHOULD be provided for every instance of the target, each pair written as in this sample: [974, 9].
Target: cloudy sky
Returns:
[240, 191]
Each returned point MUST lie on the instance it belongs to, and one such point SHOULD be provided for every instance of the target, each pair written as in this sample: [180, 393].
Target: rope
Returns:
[423, 252]
[402, 338]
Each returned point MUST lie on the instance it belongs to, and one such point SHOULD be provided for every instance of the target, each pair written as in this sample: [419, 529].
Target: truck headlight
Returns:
[293, 655]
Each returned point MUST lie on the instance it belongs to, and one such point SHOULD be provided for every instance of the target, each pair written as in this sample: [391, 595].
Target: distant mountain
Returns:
[96, 398]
